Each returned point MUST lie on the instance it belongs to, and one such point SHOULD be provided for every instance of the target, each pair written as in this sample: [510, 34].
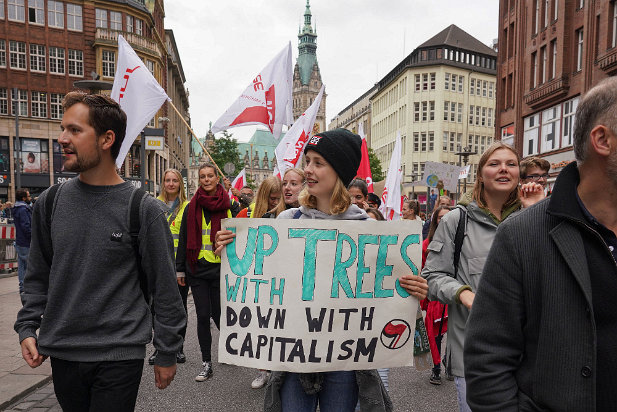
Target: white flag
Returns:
[391, 196]
[464, 172]
[137, 92]
[289, 150]
[238, 183]
[267, 100]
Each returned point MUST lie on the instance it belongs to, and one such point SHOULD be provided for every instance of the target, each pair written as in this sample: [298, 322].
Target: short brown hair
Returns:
[534, 161]
[104, 114]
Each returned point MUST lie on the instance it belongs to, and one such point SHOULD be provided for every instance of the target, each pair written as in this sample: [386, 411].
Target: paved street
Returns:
[230, 389]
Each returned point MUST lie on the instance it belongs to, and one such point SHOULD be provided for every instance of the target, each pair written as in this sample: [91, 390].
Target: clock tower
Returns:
[307, 78]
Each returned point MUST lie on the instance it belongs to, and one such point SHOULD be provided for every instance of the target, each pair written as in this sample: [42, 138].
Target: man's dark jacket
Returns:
[535, 339]
[22, 216]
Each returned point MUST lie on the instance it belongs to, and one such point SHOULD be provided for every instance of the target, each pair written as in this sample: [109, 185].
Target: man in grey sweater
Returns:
[82, 287]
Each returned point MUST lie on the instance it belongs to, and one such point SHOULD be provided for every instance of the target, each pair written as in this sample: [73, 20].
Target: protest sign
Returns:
[318, 295]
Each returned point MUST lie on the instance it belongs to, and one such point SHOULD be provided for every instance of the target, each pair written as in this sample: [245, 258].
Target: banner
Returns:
[291, 147]
[448, 174]
[464, 172]
[266, 100]
[318, 295]
[391, 197]
[364, 171]
[137, 92]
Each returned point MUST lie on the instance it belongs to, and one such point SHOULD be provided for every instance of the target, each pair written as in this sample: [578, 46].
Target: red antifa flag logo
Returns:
[298, 148]
[259, 114]
[395, 334]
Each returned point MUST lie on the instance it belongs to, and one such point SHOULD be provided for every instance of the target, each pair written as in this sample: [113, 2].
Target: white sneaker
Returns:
[206, 373]
[261, 380]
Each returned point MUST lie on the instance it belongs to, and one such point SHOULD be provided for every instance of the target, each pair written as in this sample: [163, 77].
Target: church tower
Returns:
[307, 78]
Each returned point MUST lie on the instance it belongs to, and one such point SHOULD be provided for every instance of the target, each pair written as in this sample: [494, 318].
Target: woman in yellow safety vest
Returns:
[174, 197]
[196, 264]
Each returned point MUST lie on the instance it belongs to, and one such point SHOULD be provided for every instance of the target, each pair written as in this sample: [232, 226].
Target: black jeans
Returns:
[96, 386]
[207, 298]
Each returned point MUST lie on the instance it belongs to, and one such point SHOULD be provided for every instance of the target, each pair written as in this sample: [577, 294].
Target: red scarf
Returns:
[217, 205]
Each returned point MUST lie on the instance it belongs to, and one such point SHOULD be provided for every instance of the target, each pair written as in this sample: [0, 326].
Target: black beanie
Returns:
[342, 149]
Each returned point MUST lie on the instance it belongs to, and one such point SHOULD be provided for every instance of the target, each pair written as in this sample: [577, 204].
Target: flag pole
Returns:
[195, 136]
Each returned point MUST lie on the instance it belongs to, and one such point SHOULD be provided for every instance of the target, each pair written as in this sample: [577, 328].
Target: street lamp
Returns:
[463, 157]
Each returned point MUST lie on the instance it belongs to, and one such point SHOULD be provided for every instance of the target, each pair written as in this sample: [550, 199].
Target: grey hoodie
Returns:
[352, 213]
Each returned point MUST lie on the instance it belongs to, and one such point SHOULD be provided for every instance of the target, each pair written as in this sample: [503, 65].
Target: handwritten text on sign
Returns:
[317, 295]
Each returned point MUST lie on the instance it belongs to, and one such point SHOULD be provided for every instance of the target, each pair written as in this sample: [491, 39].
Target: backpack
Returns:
[134, 227]
[459, 237]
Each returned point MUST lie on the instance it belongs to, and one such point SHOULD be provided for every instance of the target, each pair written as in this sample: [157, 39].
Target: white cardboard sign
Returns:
[318, 295]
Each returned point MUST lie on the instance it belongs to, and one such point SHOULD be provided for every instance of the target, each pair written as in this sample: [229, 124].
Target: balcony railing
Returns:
[136, 41]
[555, 88]
[608, 62]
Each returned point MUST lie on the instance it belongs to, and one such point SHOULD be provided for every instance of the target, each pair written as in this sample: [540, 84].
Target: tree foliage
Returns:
[225, 150]
[376, 172]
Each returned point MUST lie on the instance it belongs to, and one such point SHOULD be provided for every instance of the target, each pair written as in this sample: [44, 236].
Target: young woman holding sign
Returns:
[332, 159]
[196, 264]
[496, 195]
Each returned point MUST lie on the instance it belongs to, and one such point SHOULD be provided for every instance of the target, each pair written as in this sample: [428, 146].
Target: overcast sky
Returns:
[224, 44]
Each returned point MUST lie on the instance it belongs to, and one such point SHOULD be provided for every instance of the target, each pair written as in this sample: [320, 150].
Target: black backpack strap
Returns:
[134, 227]
[50, 202]
[458, 238]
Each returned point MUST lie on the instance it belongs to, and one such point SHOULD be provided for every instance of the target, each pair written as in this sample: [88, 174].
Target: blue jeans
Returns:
[461, 393]
[339, 393]
[22, 264]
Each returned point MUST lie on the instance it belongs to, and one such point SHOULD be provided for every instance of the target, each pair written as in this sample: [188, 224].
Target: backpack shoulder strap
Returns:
[297, 214]
[134, 227]
[459, 237]
[50, 203]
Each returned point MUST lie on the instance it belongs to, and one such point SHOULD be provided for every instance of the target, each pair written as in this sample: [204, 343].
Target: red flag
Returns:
[238, 183]
[364, 171]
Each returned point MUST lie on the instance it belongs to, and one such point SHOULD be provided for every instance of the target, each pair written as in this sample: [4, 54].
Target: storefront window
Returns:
[33, 155]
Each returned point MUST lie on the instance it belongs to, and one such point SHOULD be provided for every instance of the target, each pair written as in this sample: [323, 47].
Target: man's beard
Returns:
[83, 164]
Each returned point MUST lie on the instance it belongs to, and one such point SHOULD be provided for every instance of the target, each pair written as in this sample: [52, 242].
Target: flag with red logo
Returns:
[289, 150]
[267, 100]
[391, 196]
[137, 92]
[238, 183]
[364, 171]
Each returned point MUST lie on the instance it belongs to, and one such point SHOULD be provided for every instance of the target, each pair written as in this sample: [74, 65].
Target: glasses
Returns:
[535, 178]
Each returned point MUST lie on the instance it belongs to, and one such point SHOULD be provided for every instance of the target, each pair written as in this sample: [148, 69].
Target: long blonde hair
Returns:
[181, 193]
[478, 189]
[270, 185]
[282, 206]
[339, 202]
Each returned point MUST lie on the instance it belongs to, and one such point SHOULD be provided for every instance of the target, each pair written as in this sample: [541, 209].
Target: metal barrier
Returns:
[8, 255]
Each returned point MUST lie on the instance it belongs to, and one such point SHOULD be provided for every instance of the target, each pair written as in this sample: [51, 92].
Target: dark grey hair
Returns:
[598, 106]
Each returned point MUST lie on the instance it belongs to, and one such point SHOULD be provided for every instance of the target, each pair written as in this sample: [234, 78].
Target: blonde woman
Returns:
[293, 183]
[173, 195]
[268, 196]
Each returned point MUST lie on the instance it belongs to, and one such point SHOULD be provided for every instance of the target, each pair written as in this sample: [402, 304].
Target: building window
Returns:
[534, 70]
[579, 49]
[129, 23]
[36, 11]
[614, 40]
[17, 51]
[1, 9]
[431, 141]
[76, 63]
[433, 77]
[553, 71]
[150, 67]
[530, 135]
[555, 9]
[544, 58]
[446, 109]
[416, 111]
[38, 104]
[490, 117]
[569, 109]
[581, 4]
[19, 100]
[471, 112]
[423, 142]
[55, 14]
[416, 142]
[424, 81]
[424, 111]
[2, 53]
[431, 106]
[472, 87]
[16, 10]
[459, 115]
[56, 60]
[550, 128]
[37, 58]
[417, 78]
[73, 17]
[452, 142]
[109, 63]
[4, 101]
[478, 115]
[546, 12]
[34, 156]
[56, 105]
[461, 80]
[139, 27]
[447, 82]
[483, 117]
[101, 18]
[445, 141]
[484, 87]
[115, 20]
[491, 87]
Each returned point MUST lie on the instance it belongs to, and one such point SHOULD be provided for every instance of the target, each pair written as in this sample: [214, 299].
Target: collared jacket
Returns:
[480, 229]
[22, 215]
[532, 338]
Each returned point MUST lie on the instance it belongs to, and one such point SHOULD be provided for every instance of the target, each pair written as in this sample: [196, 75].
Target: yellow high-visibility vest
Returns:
[206, 251]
